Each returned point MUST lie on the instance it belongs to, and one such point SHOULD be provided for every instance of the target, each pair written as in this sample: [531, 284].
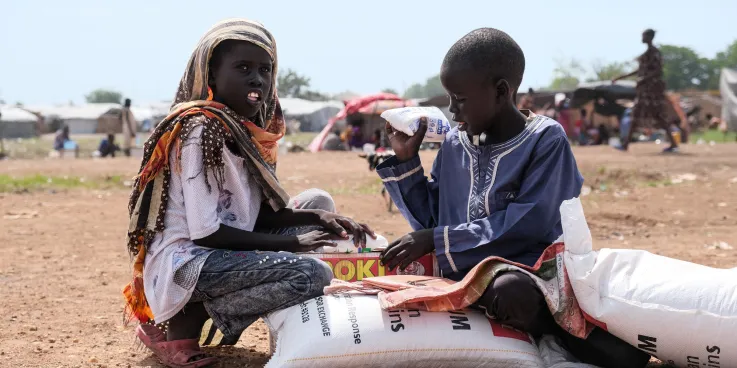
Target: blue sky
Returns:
[57, 51]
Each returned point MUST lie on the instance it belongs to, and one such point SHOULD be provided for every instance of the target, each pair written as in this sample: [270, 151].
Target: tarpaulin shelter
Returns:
[312, 115]
[728, 89]
[369, 108]
[607, 95]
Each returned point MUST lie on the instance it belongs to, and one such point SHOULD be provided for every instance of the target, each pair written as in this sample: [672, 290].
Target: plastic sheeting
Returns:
[728, 89]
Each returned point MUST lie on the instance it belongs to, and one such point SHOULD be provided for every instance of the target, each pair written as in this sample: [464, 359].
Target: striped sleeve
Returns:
[415, 196]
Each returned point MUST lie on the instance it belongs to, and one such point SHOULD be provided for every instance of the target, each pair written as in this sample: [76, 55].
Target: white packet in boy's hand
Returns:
[407, 121]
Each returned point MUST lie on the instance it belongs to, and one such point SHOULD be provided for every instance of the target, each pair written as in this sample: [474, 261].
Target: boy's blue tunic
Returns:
[492, 200]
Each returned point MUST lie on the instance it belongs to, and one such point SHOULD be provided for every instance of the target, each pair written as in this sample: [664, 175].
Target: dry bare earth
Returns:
[63, 262]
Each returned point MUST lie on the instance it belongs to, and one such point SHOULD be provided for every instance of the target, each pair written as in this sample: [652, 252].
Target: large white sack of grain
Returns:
[353, 331]
[683, 313]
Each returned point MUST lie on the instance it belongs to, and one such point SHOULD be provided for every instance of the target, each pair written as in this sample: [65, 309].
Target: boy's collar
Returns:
[479, 139]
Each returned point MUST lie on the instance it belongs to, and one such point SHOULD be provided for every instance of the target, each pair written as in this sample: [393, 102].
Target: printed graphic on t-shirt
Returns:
[224, 202]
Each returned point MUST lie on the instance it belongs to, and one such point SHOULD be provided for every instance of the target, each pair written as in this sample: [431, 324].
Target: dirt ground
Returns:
[63, 260]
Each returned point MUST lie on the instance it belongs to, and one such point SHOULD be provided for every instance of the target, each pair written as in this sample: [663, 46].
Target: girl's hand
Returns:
[313, 240]
[342, 226]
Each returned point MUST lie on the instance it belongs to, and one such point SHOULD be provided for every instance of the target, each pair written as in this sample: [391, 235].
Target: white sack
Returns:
[683, 313]
[353, 331]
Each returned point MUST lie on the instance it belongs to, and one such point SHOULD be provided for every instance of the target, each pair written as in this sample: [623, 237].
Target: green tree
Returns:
[728, 57]
[104, 96]
[291, 84]
[724, 59]
[415, 91]
[683, 68]
[313, 96]
[390, 90]
[432, 87]
[604, 72]
[567, 74]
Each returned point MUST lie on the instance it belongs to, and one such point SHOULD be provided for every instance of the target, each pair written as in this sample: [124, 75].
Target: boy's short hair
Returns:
[491, 52]
[650, 32]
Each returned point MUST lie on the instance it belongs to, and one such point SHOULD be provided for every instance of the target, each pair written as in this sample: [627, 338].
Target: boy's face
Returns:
[473, 102]
[243, 78]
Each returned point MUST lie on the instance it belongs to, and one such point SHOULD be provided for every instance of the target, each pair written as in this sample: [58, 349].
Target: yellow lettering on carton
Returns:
[364, 269]
[344, 270]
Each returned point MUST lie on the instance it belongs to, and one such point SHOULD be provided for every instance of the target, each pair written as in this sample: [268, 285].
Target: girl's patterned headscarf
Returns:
[193, 106]
[193, 85]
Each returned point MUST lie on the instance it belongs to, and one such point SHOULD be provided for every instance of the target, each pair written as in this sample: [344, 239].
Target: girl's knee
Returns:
[314, 199]
[323, 274]
[314, 276]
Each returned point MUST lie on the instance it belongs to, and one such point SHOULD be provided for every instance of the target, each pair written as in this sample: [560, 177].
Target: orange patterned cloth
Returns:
[436, 294]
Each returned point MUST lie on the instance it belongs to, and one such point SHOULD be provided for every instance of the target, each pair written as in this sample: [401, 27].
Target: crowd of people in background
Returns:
[649, 113]
[581, 130]
[351, 138]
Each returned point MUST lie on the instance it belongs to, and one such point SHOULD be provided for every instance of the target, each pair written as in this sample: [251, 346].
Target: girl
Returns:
[211, 229]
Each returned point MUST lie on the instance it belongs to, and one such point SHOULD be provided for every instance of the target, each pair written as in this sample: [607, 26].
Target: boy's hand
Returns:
[408, 249]
[404, 146]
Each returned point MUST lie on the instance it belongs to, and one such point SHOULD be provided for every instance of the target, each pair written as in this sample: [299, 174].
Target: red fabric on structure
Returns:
[358, 105]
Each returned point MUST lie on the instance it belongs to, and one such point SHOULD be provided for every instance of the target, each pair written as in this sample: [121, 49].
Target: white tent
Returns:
[16, 122]
[728, 89]
[81, 119]
[84, 119]
[312, 115]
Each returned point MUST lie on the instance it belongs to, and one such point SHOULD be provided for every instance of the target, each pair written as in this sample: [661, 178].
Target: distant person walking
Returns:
[652, 107]
[129, 127]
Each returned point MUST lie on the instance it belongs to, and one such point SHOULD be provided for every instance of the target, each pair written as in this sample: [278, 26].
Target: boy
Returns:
[495, 190]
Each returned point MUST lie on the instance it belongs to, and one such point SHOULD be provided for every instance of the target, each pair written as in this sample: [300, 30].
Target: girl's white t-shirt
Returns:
[173, 262]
